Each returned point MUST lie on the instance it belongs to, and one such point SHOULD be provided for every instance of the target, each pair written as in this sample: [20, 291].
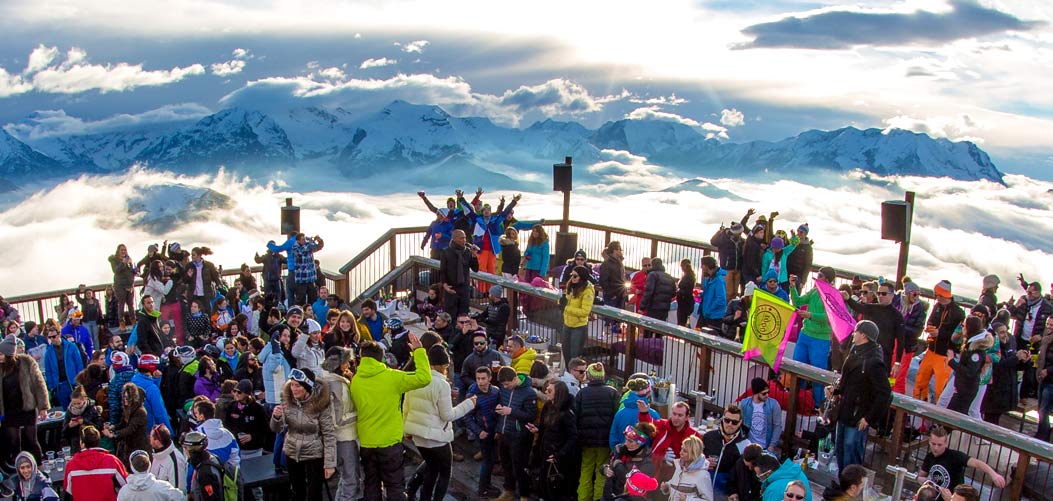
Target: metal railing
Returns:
[701, 363]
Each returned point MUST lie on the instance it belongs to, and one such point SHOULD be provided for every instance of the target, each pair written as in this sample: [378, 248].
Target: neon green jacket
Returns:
[377, 392]
[818, 326]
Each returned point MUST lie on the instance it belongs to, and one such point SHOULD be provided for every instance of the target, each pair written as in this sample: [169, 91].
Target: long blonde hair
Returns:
[691, 450]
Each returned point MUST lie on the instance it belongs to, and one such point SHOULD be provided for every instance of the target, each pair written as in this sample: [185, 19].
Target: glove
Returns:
[669, 456]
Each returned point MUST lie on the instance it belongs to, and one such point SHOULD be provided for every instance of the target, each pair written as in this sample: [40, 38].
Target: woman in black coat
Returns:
[1002, 396]
[557, 459]
[685, 293]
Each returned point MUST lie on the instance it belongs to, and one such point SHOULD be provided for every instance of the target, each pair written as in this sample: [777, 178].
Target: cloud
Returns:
[961, 127]
[556, 96]
[73, 75]
[377, 63]
[623, 171]
[415, 46]
[671, 100]
[241, 54]
[46, 123]
[843, 29]
[228, 68]
[732, 117]
[711, 130]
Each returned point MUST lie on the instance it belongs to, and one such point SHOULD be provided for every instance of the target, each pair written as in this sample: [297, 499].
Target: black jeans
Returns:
[306, 478]
[457, 303]
[433, 475]
[383, 466]
[304, 293]
[515, 456]
[486, 466]
[14, 439]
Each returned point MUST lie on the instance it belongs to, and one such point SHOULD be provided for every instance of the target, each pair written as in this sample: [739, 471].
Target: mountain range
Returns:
[428, 144]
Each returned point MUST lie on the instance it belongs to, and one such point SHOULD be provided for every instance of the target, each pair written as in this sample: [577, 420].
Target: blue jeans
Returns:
[850, 445]
[814, 352]
[486, 466]
[1045, 410]
[573, 341]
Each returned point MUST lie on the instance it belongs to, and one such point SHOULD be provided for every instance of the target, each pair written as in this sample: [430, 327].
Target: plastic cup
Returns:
[67, 453]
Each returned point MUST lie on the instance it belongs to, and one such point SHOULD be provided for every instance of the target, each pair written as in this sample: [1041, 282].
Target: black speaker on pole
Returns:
[290, 222]
[895, 220]
[561, 176]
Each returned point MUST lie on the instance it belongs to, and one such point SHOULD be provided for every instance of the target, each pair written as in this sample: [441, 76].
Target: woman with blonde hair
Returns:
[690, 481]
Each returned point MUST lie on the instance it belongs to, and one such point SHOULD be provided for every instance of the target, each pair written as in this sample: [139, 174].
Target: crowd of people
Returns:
[165, 399]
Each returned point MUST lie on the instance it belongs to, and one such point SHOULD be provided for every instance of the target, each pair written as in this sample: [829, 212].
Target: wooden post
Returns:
[654, 248]
[606, 238]
[40, 310]
[513, 305]
[791, 416]
[393, 252]
[904, 246]
[703, 368]
[630, 350]
[897, 437]
[1016, 488]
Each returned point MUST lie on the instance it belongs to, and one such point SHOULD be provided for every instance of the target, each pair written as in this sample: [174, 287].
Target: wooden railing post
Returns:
[704, 355]
[654, 248]
[1016, 489]
[630, 350]
[897, 437]
[40, 310]
[790, 431]
[393, 252]
[606, 238]
[513, 306]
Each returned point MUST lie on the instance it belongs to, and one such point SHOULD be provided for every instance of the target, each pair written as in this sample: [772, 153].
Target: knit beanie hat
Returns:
[991, 281]
[580, 253]
[943, 289]
[640, 484]
[120, 361]
[758, 385]
[7, 346]
[596, 372]
[910, 287]
[496, 291]
[803, 229]
[777, 244]
[736, 228]
[186, 354]
[750, 287]
[868, 329]
[313, 326]
[640, 386]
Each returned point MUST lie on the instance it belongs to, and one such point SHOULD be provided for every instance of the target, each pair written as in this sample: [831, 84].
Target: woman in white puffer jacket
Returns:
[691, 481]
[428, 415]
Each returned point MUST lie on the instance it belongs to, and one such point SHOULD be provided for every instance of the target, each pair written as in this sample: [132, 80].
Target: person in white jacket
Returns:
[169, 463]
[428, 416]
[157, 284]
[309, 350]
[337, 375]
[143, 486]
[691, 480]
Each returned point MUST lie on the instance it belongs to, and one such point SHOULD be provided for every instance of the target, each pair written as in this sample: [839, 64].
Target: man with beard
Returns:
[147, 332]
[454, 273]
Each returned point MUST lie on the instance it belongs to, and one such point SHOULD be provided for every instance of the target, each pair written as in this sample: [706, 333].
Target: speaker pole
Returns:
[566, 242]
[904, 246]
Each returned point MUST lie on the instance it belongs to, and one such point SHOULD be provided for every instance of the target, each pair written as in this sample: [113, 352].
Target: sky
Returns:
[741, 70]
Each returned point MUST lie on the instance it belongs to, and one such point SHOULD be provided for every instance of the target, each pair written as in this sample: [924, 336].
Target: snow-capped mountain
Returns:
[411, 137]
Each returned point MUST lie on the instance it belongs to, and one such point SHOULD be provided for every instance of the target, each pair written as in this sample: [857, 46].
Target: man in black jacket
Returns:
[595, 406]
[886, 317]
[206, 481]
[495, 316]
[730, 246]
[455, 269]
[799, 262]
[864, 391]
[247, 420]
[1030, 312]
[752, 252]
[659, 291]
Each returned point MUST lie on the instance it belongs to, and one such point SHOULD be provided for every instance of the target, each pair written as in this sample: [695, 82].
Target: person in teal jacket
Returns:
[629, 414]
[537, 253]
[774, 486]
[775, 259]
[813, 342]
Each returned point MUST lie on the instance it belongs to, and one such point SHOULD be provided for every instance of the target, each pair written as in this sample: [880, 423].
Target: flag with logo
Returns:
[768, 326]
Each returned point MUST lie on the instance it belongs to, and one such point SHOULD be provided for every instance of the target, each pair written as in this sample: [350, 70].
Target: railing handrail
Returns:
[1017, 441]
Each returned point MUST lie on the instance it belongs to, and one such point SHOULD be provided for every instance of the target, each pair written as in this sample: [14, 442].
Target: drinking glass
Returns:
[47, 466]
[67, 453]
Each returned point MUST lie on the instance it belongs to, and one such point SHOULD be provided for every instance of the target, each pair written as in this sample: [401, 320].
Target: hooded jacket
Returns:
[769, 256]
[345, 419]
[81, 335]
[714, 299]
[131, 434]
[476, 360]
[34, 393]
[1003, 395]
[751, 258]
[523, 401]
[155, 404]
[123, 273]
[691, 483]
[729, 248]
[576, 313]
[537, 257]
[89, 417]
[890, 327]
[594, 407]
[428, 413]
[775, 485]
[39, 485]
[799, 262]
[113, 392]
[523, 361]
[169, 464]
[377, 391]
[310, 433]
[626, 416]
[969, 367]
[275, 370]
[772, 419]
[92, 474]
[308, 356]
[659, 289]
[612, 278]
[146, 487]
[864, 388]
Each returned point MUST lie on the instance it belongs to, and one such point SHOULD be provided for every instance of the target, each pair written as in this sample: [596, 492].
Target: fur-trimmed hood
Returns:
[316, 402]
[31, 382]
[983, 344]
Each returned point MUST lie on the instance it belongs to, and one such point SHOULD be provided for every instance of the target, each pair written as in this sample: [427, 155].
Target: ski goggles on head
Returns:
[631, 434]
[300, 377]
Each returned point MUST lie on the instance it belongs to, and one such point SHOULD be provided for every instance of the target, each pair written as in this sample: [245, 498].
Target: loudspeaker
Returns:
[290, 221]
[566, 246]
[895, 220]
[561, 177]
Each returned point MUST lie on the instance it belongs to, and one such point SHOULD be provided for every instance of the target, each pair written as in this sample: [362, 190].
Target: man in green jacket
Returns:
[813, 343]
[377, 391]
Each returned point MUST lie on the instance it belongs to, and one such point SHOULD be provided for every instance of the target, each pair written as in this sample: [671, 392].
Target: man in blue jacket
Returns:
[762, 416]
[516, 408]
[629, 414]
[149, 379]
[78, 332]
[62, 363]
[482, 422]
[714, 295]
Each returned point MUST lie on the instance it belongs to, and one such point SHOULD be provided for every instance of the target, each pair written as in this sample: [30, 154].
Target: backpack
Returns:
[233, 483]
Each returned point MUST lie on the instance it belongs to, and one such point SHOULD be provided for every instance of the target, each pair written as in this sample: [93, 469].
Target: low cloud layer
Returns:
[844, 29]
[47, 123]
[711, 130]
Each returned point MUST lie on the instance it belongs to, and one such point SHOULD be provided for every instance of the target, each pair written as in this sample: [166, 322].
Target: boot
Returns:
[457, 456]
[507, 496]
[478, 456]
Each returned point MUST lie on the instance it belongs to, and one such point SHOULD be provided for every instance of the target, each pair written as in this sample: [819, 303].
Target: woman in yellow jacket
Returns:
[580, 295]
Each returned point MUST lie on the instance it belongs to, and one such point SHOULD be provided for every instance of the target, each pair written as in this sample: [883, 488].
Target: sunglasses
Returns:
[790, 495]
[732, 421]
[460, 322]
[764, 393]
[578, 371]
[882, 293]
[53, 337]
[480, 343]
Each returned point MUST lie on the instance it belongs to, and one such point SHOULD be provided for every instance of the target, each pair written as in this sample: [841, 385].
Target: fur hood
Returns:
[983, 344]
[316, 402]
[31, 382]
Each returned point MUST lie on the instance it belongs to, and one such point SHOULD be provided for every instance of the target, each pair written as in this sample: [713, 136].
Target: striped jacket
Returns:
[94, 474]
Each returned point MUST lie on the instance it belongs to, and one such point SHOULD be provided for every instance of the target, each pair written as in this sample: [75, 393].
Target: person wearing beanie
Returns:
[143, 486]
[28, 483]
[440, 231]
[913, 310]
[276, 360]
[579, 259]
[511, 258]
[595, 406]
[864, 391]
[968, 368]
[730, 245]
[753, 253]
[337, 377]
[246, 419]
[771, 285]
[631, 454]
[148, 378]
[310, 441]
[637, 487]
[886, 317]
[658, 292]
[1031, 312]
[989, 293]
[495, 316]
[308, 350]
[774, 259]
[946, 318]
[580, 295]
[762, 415]
[813, 342]
[636, 389]
[800, 261]
[428, 415]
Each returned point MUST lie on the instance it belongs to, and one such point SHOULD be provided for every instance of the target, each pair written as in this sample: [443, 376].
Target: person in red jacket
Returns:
[669, 437]
[94, 473]
[639, 279]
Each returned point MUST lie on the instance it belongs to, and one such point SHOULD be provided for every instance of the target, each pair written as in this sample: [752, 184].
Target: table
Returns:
[49, 432]
[259, 472]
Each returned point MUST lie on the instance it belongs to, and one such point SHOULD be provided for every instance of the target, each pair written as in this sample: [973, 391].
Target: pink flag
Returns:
[842, 323]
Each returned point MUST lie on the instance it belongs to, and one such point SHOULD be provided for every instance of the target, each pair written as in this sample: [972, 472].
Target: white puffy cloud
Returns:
[670, 100]
[414, 46]
[557, 96]
[47, 123]
[73, 75]
[377, 63]
[333, 73]
[961, 127]
[232, 67]
[711, 130]
[732, 117]
[240, 53]
[623, 171]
